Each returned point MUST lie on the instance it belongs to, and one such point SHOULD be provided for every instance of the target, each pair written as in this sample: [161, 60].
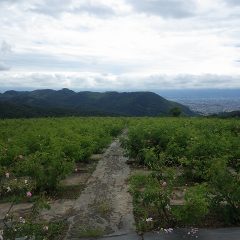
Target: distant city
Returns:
[208, 106]
[208, 101]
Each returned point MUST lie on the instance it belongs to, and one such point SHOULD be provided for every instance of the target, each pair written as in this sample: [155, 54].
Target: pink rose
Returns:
[29, 194]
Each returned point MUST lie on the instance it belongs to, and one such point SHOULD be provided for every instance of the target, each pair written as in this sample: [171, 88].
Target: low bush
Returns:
[196, 207]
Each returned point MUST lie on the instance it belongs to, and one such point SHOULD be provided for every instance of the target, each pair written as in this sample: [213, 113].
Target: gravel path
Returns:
[105, 206]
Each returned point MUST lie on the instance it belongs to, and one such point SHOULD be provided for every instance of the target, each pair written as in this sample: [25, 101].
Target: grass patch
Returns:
[91, 232]
[103, 209]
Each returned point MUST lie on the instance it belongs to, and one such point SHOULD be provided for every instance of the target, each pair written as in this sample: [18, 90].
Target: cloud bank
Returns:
[107, 82]
[165, 8]
[5, 49]
[120, 44]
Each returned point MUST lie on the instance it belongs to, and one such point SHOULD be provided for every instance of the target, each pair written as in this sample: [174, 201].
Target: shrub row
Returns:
[203, 154]
[46, 150]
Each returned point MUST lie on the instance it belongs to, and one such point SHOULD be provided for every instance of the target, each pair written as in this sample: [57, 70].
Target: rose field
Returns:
[184, 171]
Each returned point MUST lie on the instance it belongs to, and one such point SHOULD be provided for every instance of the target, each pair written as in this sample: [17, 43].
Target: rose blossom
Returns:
[29, 194]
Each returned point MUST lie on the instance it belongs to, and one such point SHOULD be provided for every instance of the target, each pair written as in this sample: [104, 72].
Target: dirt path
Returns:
[105, 206]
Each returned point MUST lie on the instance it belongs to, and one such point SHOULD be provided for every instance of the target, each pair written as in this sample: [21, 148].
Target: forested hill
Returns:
[65, 102]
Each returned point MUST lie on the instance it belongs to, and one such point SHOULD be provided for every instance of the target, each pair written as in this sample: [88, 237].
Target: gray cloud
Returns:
[130, 43]
[165, 8]
[9, 1]
[104, 82]
[233, 2]
[3, 66]
[55, 8]
[207, 81]
[40, 61]
[52, 8]
[5, 49]
[98, 10]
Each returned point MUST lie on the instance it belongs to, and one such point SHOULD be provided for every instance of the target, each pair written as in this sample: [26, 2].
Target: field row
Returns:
[192, 176]
[36, 154]
[186, 169]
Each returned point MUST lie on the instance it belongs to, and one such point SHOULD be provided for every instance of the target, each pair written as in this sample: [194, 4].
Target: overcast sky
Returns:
[119, 44]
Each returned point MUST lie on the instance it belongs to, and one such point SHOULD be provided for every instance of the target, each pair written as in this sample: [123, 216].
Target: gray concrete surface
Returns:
[180, 234]
[201, 234]
[105, 205]
[127, 236]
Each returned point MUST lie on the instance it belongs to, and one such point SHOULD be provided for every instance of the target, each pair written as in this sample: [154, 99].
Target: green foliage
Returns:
[38, 231]
[199, 155]
[16, 186]
[46, 150]
[26, 225]
[196, 206]
[47, 169]
[225, 187]
[175, 112]
[151, 199]
[190, 143]
[51, 103]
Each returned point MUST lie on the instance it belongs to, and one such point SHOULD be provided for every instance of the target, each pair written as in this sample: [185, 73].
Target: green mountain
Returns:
[66, 102]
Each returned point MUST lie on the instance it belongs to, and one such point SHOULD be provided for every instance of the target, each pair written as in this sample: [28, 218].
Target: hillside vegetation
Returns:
[42, 103]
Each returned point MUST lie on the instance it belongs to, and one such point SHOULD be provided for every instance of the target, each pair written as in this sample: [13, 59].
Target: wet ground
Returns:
[105, 206]
[201, 234]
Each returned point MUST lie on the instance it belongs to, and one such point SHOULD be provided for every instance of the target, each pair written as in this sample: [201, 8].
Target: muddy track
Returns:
[105, 206]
